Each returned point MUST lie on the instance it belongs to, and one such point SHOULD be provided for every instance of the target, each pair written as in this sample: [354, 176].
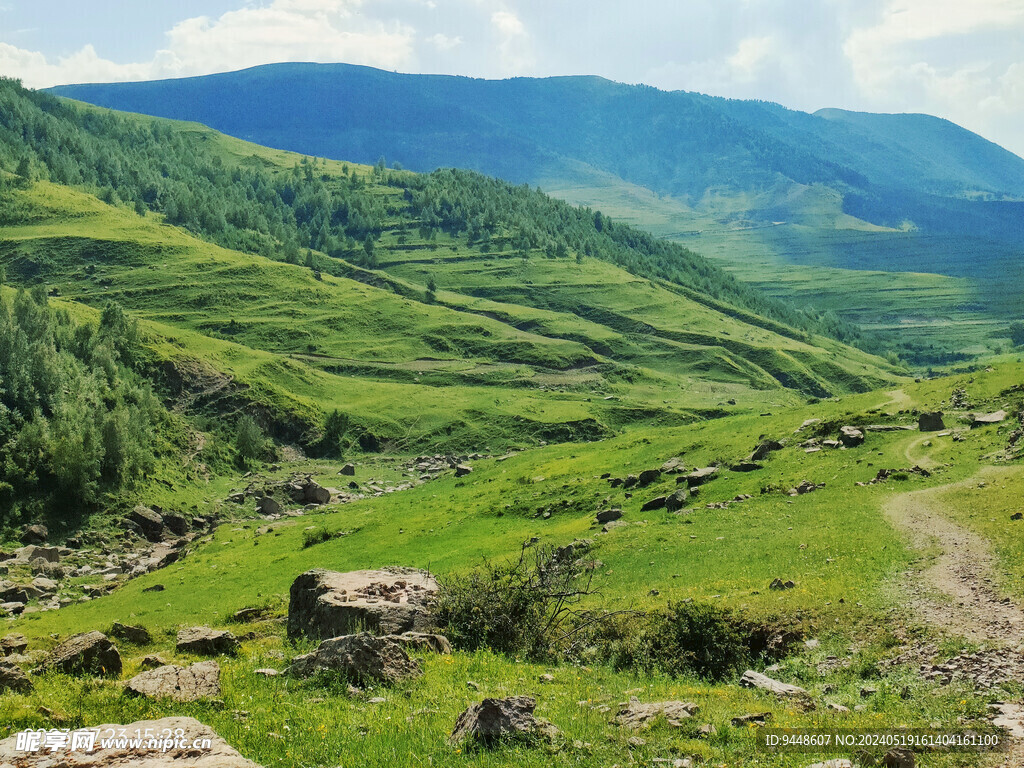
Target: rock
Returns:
[32, 552]
[314, 493]
[325, 604]
[746, 466]
[768, 446]
[200, 681]
[808, 423]
[837, 707]
[152, 661]
[673, 466]
[831, 444]
[268, 505]
[12, 678]
[130, 633]
[647, 477]
[752, 679]
[636, 714]
[630, 481]
[461, 470]
[176, 524]
[898, 757]
[868, 691]
[608, 515]
[677, 500]
[348, 470]
[363, 658]
[89, 653]
[762, 718]
[13, 593]
[931, 421]
[154, 588]
[805, 487]
[11, 608]
[35, 534]
[984, 419]
[12, 643]
[1017, 516]
[247, 615]
[266, 672]
[423, 641]
[493, 721]
[779, 584]
[44, 585]
[839, 762]
[219, 755]
[851, 437]
[206, 642]
[658, 502]
[151, 523]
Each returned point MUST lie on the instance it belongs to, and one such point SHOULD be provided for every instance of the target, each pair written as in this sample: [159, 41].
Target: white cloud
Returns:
[515, 48]
[751, 56]
[284, 30]
[443, 42]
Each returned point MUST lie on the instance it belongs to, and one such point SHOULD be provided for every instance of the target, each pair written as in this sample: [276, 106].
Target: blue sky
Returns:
[960, 60]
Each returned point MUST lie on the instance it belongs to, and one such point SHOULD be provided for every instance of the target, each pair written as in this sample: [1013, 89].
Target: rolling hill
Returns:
[758, 186]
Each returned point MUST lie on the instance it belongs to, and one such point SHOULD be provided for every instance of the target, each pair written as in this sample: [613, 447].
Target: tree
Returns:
[335, 426]
[1017, 333]
[249, 440]
[25, 168]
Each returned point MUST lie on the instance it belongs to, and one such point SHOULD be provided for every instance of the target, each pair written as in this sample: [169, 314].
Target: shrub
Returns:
[524, 606]
[249, 440]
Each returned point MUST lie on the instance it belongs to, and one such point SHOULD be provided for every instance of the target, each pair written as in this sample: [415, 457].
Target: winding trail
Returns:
[957, 590]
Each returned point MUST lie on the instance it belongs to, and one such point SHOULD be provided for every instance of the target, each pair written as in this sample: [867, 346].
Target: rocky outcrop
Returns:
[206, 642]
[325, 604]
[219, 755]
[363, 658]
[200, 681]
[851, 437]
[637, 714]
[493, 721]
[12, 678]
[13, 643]
[984, 419]
[91, 653]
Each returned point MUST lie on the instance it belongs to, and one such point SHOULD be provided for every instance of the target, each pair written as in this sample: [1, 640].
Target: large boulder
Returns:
[182, 755]
[200, 681]
[984, 419]
[763, 449]
[150, 522]
[362, 658]
[701, 476]
[35, 534]
[648, 476]
[131, 633]
[314, 493]
[88, 653]
[325, 604]
[12, 678]
[12, 643]
[206, 642]
[493, 721]
[637, 714]
[851, 437]
[931, 421]
[608, 515]
[677, 500]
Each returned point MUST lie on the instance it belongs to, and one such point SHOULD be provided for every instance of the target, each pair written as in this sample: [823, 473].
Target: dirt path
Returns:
[956, 591]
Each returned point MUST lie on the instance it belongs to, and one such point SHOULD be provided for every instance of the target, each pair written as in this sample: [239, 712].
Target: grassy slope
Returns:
[834, 543]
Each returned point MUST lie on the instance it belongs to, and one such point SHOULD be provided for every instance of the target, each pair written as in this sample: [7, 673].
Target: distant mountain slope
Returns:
[755, 185]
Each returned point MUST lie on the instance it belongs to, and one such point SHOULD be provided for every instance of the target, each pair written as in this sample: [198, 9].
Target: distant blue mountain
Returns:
[889, 169]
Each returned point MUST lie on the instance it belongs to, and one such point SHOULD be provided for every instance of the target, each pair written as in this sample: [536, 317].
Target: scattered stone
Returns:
[761, 719]
[752, 679]
[546, 678]
[219, 755]
[13, 643]
[199, 681]
[266, 672]
[268, 505]
[12, 678]
[493, 721]
[637, 714]
[247, 615]
[473, 686]
[658, 502]
[206, 642]
[35, 534]
[88, 653]
[868, 691]
[609, 515]
[152, 661]
[768, 446]
[805, 487]
[423, 641]
[673, 466]
[150, 522]
[314, 493]
[1017, 516]
[898, 757]
[808, 423]
[325, 604]
[746, 466]
[779, 584]
[837, 707]
[349, 470]
[363, 658]
[851, 437]
[984, 419]
[647, 477]
[461, 470]
[701, 476]
[676, 501]
[131, 634]
[839, 762]
[931, 421]
[154, 588]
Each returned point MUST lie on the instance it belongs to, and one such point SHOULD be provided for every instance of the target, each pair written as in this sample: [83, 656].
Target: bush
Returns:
[523, 606]
[249, 440]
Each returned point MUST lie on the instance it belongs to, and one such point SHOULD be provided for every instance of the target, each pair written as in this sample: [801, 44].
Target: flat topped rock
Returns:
[752, 679]
[206, 641]
[200, 681]
[988, 418]
[325, 604]
[85, 654]
[219, 755]
[638, 714]
[701, 476]
[364, 658]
